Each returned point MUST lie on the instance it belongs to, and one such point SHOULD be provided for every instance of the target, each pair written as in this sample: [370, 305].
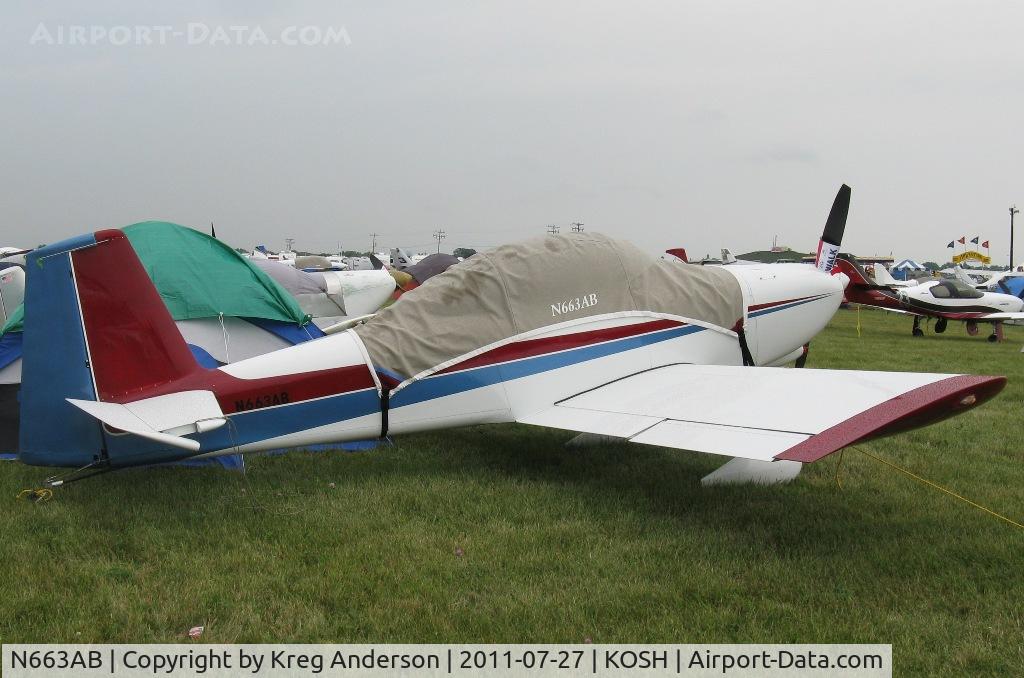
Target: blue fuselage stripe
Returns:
[248, 427]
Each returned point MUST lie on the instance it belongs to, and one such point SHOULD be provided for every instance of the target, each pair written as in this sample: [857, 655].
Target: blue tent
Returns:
[902, 270]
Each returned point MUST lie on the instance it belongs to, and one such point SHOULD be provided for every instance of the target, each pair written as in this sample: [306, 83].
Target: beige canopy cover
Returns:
[512, 289]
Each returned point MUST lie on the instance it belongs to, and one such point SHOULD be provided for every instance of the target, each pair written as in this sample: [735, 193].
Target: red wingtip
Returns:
[919, 407]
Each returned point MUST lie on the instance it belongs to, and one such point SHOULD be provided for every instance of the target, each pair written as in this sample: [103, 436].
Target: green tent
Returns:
[201, 277]
[16, 322]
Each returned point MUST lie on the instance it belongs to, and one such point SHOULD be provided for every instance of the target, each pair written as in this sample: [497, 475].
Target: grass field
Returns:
[499, 534]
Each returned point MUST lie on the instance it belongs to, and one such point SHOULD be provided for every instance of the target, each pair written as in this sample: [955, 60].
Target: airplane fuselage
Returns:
[327, 390]
[936, 298]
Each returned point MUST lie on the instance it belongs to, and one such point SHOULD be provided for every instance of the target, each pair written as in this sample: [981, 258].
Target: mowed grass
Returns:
[500, 534]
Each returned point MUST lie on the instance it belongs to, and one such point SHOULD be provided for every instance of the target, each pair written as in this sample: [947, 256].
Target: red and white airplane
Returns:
[658, 354]
[945, 300]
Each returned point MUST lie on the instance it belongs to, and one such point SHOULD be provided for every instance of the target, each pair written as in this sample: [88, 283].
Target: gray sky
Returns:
[694, 124]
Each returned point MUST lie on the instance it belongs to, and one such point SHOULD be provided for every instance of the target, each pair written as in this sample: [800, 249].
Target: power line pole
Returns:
[1013, 210]
[439, 235]
[288, 242]
[577, 226]
[373, 244]
[552, 229]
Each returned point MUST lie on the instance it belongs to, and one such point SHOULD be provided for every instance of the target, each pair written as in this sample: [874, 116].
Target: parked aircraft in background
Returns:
[945, 300]
[402, 259]
[999, 281]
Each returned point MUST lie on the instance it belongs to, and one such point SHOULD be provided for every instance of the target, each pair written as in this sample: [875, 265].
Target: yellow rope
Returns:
[37, 496]
[858, 321]
[838, 466]
[941, 488]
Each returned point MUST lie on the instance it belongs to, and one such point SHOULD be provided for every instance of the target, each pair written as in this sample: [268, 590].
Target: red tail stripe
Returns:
[124, 315]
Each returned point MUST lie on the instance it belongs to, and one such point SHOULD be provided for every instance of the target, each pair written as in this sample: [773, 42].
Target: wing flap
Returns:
[615, 424]
[759, 444]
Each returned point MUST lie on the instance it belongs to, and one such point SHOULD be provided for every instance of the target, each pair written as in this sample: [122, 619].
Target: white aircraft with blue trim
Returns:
[114, 385]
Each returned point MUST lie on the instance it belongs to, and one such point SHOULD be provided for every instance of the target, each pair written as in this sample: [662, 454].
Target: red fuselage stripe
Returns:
[758, 307]
[564, 342]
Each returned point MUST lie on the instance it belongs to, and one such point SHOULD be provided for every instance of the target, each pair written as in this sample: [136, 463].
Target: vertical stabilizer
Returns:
[95, 329]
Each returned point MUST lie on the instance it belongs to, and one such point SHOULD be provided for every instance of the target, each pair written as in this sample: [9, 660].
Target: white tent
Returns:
[908, 265]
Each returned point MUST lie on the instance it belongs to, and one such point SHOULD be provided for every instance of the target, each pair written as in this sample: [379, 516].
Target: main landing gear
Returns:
[997, 331]
[972, 328]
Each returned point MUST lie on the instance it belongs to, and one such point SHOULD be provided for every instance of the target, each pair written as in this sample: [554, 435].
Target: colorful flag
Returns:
[985, 244]
[963, 240]
[950, 244]
[975, 239]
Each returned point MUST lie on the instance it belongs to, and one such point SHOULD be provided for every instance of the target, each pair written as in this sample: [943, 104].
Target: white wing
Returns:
[764, 413]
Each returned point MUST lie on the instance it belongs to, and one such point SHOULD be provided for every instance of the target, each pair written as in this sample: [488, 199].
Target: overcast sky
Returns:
[696, 124]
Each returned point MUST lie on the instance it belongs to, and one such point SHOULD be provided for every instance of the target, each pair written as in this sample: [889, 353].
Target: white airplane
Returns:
[976, 280]
[880, 274]
[945, 300]
[331, 296]
[997, 281]
[403, 259]
[261, 252]
[594, 336]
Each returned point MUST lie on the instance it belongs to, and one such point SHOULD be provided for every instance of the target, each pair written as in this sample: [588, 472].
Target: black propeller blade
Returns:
[835, 226]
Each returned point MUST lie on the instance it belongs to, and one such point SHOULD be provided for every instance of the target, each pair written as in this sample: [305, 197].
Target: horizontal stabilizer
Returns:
[764, 413]
[163, 418]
